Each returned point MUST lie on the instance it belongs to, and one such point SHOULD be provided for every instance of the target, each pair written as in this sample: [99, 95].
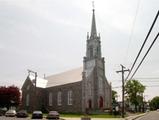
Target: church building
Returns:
[74, 91]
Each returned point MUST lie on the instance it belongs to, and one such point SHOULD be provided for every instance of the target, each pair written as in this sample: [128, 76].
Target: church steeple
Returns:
[96, 92]
[93, 41]
[93, 27]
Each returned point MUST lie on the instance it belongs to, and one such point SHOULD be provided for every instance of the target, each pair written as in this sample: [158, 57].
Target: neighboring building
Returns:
[76, 90]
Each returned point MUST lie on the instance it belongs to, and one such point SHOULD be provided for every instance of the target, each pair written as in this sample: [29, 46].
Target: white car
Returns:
[37, 115]
[10, 113]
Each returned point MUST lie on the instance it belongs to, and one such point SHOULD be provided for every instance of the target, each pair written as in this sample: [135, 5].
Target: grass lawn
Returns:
[92, 116]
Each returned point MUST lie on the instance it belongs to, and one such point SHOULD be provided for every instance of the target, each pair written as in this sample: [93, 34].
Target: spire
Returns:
[93, 27]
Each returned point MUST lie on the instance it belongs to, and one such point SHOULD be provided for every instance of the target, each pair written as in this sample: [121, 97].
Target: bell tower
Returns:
[93, 42]
[95, 88]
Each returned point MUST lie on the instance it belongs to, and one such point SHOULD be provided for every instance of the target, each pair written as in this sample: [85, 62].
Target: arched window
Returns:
[91, 51]
[28, 87]
[27, 100]
[50, 99]
[59, 98]
[98, 51]
[70, 97]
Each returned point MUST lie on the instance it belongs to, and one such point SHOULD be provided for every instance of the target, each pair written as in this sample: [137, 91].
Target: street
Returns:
[14, 118]
[150, 116]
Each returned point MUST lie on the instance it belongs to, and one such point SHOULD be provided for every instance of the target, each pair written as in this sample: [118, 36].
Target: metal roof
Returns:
[70, 76]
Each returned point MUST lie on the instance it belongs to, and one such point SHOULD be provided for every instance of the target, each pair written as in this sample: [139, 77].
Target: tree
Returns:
[134, 90]
[154, 103]
[114, 96]
[9, 96]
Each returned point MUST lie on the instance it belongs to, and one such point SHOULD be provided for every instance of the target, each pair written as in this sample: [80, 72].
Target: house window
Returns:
[70, 97]
[50, 99]
[27, 100]
[59, 99]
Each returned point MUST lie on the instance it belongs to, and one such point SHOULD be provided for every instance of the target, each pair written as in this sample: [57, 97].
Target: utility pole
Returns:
[123, 87]
[30, 71]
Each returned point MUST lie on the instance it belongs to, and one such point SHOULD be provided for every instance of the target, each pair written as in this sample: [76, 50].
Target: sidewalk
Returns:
[131, 117]
[66, 118]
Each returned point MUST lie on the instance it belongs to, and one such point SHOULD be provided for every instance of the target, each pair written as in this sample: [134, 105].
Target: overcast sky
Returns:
[49, 37]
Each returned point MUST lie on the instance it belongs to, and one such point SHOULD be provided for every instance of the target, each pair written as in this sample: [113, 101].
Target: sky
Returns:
[49, 37]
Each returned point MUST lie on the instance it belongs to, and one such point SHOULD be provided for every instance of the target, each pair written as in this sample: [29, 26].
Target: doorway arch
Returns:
[89, 104]
[101, 102]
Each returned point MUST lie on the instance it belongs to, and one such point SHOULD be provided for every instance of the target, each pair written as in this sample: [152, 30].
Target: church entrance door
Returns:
[101, 102]
[89, 104]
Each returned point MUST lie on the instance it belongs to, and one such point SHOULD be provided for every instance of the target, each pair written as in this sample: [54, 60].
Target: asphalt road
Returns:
[150, 116]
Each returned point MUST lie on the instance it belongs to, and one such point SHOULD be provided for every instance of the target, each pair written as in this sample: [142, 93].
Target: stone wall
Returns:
[36, 98]
[76, 106]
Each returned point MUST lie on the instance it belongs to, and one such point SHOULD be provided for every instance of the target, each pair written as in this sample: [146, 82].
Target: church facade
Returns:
[74, 91]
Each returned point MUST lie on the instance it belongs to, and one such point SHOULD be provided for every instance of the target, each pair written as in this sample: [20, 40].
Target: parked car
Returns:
[22, 114]
[147, 110]
[37, 115]
[53, 115]
[3, 111]
[10, 113]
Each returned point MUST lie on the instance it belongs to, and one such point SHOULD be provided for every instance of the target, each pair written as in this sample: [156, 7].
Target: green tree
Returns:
[114, 96]
[154, 103]
[134, 91]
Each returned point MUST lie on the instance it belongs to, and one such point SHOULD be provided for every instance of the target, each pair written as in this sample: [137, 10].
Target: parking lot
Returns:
[15, 118]
[28, 118]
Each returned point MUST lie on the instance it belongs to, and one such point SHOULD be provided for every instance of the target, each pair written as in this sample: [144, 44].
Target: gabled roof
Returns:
[70, 76]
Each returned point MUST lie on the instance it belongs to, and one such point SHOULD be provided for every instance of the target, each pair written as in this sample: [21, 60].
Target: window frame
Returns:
[50, 99]
[59, 98]
[27, 99]
[70, 99]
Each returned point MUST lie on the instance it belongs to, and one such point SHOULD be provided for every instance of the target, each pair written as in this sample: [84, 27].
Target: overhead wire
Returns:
[132, 29]
[147, 78]
[145, 56]
[152, 86]
[143, 45]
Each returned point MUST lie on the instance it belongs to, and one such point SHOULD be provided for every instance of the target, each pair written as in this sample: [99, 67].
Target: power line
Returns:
[117, 87]
[148, 81]
[145, 55]
[132, 29]
[147, 78]
[143, 45]
[152, 86]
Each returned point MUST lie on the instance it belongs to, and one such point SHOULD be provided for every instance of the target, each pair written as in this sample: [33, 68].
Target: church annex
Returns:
[73, 91]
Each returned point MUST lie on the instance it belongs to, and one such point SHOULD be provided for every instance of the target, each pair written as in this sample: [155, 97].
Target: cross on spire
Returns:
[93, 27]
[93, 5]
